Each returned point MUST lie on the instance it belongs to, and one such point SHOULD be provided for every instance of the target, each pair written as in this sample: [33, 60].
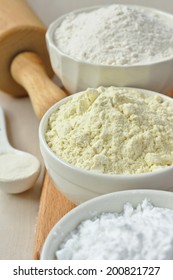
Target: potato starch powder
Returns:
[145, 232]
[116, 35]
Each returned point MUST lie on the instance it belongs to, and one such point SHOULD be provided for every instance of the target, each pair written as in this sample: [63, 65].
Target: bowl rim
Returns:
[120, 195]
[52, 27]
[91, 173]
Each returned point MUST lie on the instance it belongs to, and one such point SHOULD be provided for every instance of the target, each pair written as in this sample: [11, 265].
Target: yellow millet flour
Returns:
[113, 130]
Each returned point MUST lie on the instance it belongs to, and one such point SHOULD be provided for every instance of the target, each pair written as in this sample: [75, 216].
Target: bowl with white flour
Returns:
[108, 139]
[102, 228]
[118, 45]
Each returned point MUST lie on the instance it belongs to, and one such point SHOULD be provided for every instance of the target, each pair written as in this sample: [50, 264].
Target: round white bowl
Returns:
[107, 203]
[77, 75]
[79, 185]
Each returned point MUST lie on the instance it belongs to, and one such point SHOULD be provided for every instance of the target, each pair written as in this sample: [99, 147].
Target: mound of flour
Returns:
[115, 35]
[113, 130]
[145, 232]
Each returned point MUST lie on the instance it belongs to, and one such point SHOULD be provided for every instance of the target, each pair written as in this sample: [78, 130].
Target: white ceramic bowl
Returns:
[107, 203]
[79, 185]
[78, 75]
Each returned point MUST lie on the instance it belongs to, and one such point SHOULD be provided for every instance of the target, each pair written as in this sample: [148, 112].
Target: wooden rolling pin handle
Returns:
[28, 70]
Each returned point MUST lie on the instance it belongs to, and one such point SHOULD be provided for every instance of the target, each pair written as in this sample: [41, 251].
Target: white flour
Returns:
[14, 167]
[116, 35]
[113, 130]
[142, 233]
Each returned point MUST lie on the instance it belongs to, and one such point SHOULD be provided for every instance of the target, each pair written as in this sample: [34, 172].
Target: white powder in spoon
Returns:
[116, 35]
[145, 232]
[14, 166]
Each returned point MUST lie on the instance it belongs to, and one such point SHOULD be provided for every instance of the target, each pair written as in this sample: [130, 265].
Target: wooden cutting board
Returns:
[53, 206]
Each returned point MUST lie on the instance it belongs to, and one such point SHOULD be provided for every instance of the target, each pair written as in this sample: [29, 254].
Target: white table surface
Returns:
[18, 213]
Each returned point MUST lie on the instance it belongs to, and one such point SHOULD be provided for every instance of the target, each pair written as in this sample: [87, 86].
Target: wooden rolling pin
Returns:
[24, 60]
[25, 68]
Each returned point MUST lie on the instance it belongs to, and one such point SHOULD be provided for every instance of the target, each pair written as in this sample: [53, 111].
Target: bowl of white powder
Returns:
[114, 45]
[108, 139]
[127, 225]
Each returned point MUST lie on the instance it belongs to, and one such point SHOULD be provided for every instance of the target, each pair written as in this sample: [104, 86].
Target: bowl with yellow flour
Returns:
[108, 139]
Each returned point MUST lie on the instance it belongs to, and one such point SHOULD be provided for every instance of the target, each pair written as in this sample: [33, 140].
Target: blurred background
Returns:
[49, 10]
